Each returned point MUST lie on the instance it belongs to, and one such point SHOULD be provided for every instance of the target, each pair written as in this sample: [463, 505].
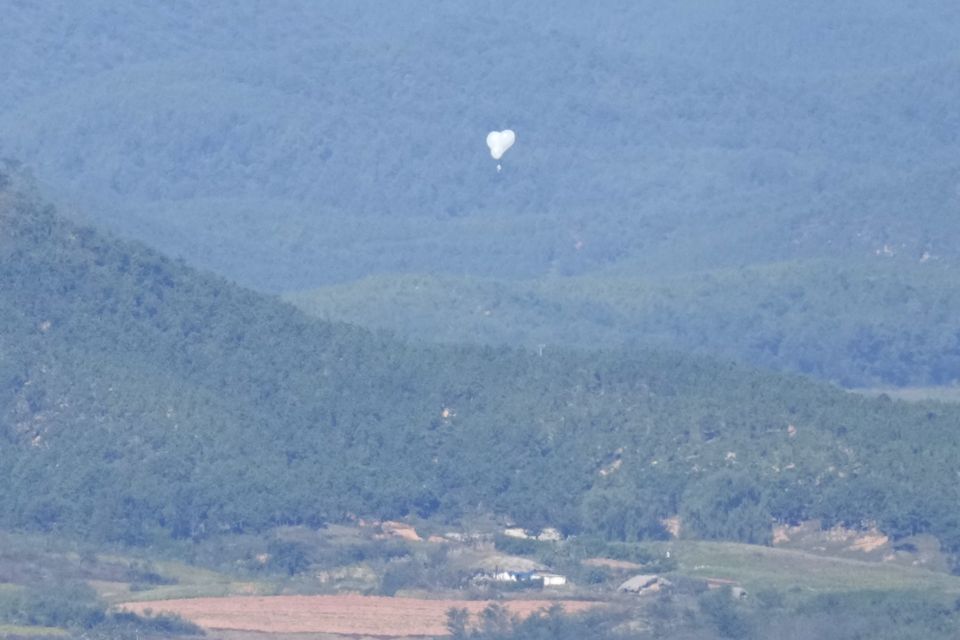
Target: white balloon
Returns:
[500, 141]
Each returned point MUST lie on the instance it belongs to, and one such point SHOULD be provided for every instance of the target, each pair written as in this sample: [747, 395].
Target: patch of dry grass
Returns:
[757, 567]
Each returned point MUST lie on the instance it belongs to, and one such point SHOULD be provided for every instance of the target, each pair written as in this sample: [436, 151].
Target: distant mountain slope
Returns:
[293, 145]
[878, 322]
[139, 398]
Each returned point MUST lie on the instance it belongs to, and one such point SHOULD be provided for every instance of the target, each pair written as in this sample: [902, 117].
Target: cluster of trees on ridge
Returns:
[860, 325]
[142, 399]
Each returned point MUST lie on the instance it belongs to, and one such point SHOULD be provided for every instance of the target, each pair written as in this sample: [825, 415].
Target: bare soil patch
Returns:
[341, 614]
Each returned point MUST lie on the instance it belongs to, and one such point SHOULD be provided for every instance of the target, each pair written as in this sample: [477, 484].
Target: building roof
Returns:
[639, 583]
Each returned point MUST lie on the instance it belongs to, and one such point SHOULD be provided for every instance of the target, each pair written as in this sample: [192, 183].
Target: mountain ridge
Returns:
[140, 398]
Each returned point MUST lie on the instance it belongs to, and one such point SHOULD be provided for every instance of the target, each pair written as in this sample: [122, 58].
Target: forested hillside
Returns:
[859, 325]
[288, 146]
[142, 399]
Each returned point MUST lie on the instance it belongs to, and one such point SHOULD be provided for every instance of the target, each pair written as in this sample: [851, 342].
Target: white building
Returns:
[551, 579]
[550, 534]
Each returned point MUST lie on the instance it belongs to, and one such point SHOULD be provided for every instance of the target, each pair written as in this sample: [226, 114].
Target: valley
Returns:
[244, 592]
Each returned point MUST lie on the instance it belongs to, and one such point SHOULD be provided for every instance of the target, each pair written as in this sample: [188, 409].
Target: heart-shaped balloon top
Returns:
[500, 141]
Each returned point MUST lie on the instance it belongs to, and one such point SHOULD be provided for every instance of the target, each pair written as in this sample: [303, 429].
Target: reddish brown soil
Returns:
[347, 614]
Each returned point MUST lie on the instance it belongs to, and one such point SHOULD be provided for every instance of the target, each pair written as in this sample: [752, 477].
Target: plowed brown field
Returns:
[348, 615]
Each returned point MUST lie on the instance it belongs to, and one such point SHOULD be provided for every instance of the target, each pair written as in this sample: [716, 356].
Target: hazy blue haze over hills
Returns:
[294, 145]
[882, 324]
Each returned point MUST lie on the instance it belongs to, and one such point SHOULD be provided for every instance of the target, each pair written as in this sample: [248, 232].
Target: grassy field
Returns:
[191, 582]
[757, 568]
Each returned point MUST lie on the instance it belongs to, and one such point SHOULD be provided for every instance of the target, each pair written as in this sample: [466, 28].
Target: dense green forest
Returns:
[305, 143]
[262, 288]
[675, 165]
[141, 399]
[876, 323]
